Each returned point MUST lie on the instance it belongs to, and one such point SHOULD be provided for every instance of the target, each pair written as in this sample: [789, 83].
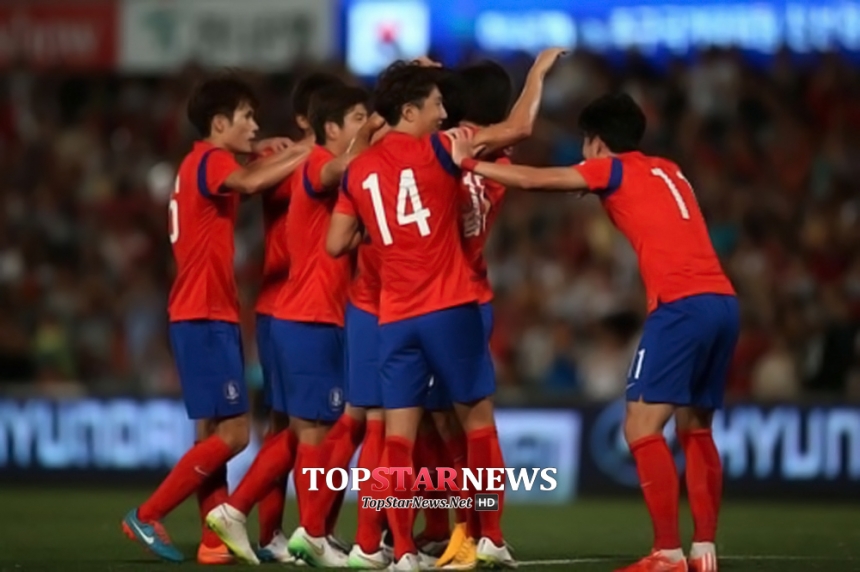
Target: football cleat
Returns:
[316, 552]
[152, 536]
[229, 524]
[492, 556]
[656, 562]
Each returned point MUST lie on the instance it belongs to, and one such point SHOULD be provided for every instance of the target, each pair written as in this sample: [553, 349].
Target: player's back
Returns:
[653, 204]
[407, 191]
[276, 257]
[202, 220]
[316, 289]
[485, 196]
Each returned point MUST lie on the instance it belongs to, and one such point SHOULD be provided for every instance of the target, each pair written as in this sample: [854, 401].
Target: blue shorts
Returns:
[211, 367]
[363, 388]
[310, 369]
[437, 397]
[686, 349]
[449, 345]
[267, 358]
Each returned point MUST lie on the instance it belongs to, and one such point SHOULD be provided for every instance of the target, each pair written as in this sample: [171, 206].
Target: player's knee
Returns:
[477, 415]
[645, 419]
[236, 432]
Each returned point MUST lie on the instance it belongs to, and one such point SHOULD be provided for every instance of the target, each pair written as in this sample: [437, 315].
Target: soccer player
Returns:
[204, 305]
[406, 191]
[486, 102]
[278, 452]
[689, 337]
[307, 329]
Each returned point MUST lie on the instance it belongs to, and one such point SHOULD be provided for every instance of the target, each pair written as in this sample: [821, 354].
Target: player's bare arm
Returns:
[344, 234]
[333, 171]
[271, 145]
[268, 171]
[527, 178]
[521, 120]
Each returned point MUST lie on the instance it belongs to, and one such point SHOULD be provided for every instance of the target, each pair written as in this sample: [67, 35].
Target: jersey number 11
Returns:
[408, 189]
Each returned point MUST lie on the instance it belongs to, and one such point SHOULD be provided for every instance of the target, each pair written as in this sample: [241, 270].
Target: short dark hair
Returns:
[401, 84]
[331, 104]
[220, 95]
[616, 119]
[455, 94]
[489, 91]
[305, 88]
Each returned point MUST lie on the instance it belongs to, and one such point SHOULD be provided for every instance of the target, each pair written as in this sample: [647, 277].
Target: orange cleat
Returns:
[656, 562]
[707, 562]
[214, 555]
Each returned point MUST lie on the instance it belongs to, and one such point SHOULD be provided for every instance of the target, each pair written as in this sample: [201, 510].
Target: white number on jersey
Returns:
[478, 194]
[408, 189]
[682, 206]
[173, 214]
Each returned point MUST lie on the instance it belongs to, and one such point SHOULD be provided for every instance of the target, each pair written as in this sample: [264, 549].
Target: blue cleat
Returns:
[152, 536]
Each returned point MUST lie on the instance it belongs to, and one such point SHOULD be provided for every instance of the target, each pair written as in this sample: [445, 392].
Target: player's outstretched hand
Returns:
[426, 62]
[546, 59]
[272, 145]
[462, 146]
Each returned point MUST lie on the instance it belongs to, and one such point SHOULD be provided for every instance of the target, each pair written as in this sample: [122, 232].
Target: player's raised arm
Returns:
[521, 119]
[333, 171]
[463, 150]
[267, 171]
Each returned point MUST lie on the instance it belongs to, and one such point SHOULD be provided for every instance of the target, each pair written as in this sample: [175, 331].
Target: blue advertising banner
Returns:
[767, 451]
[658, 28]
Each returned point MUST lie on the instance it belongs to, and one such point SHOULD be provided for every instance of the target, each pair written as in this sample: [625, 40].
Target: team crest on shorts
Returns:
[335, 398]
[231, 391]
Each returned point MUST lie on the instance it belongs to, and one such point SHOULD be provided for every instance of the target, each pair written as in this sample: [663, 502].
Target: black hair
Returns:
[305, 88]
[215, 96]
[455, 94]
[331, 104]
[489, 90]
[616, 119]
[399, 85]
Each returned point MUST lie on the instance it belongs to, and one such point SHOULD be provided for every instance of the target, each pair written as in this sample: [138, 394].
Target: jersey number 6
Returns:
[408, 190]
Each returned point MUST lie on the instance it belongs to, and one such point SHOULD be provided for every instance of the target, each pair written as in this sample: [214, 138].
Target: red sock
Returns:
[212, 492]
[310, 515]
[369, 532]
[429, 452]
[485, 453]
[398, 453]
[272, 463]
[270, 511]
[197, 465]
[337, 450]
[658, 478]
[704, 482]
[457, 449]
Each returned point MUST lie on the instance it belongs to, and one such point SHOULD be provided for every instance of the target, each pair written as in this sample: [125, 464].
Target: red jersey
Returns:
[406, 190]
[276, 257]
[480, 191]
[316, 288]
[202, 217]
[365, 288]
[651, 202]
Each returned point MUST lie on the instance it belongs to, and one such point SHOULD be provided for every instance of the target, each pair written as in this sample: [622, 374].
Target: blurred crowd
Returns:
[87, 163]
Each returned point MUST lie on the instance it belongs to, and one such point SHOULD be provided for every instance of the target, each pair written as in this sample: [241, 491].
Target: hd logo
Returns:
[487, 501]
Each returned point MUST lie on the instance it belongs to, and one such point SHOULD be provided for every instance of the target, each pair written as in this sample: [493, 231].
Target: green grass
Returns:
[74, 530]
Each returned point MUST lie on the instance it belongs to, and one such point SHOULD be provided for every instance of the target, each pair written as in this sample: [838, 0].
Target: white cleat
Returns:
[276, 550]
[316, 552]
[339, 544]
[229, 524]
[361, 560]
[492, 556]
[407, 563]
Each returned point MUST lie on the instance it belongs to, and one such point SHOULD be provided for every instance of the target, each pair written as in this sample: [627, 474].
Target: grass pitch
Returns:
[79, 531]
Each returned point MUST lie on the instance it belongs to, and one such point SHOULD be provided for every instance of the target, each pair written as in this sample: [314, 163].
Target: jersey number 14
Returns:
[408, 190]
